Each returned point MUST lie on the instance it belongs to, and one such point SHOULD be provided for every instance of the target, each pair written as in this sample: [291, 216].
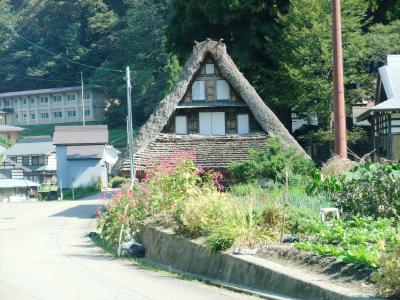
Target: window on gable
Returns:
[181, 125]
[198, 90]
[210, 69]
[243, 124]
[223, 91]
[38, 160]
[212, 123]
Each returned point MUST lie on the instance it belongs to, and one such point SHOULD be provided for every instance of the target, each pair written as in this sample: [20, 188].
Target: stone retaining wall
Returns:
[164, 247]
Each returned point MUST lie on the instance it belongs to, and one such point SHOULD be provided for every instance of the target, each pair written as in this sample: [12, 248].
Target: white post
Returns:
[83, 101]
[129, 124]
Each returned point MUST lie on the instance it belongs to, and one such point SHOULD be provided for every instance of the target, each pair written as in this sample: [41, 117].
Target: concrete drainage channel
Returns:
[243, 273]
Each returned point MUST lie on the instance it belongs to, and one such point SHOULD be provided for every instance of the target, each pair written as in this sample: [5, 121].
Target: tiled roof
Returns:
[215, 152]
[81, 135]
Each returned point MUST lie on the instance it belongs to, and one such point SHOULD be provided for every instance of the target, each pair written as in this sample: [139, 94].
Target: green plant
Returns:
[203, 212]
[387, 277]
[368, 189]
[117, 181]
[359, 240]
[272, 163]
[81, 191]
[241, 227]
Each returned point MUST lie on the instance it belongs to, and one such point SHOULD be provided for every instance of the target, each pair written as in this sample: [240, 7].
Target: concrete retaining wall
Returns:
[163, 247]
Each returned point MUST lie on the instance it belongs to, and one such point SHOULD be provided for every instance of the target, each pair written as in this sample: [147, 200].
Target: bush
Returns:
[202, 213]
[117, 181]
[388, 276]
[159, 197]
[240, 228]
[271, 164]
[82, 191]
[368, 189]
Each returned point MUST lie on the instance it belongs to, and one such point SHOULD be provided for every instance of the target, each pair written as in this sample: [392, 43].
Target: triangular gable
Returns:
[217, 50]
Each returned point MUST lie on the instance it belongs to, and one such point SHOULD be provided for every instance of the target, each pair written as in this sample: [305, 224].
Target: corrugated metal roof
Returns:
[17, 183]
[85, 152]
[390, 76]
[30, 147]
[81, 135]
[392, 104]
[8, 128]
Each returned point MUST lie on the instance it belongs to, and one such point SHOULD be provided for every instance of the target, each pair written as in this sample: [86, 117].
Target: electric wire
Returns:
[60, 56]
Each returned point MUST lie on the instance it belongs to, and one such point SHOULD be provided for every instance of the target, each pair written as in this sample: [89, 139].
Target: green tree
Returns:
[303, 51]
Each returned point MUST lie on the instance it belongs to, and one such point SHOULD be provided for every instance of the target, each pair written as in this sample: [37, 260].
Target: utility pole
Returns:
[339, 105]
[83, 101]
[129, 123]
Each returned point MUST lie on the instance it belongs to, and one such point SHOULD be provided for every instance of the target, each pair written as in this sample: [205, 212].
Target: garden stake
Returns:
[286, 202]
[120, 233]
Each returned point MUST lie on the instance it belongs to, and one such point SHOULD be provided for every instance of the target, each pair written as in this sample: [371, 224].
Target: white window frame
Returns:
[179, 119]
[219, 85]
[247, 126]
[198, 90]
[210, 69]
[208, 123]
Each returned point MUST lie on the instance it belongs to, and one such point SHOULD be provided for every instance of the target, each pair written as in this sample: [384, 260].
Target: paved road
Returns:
[45, 254]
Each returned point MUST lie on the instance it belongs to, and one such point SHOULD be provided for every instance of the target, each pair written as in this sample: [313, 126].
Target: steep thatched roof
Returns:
[211, 152]
[217, 50]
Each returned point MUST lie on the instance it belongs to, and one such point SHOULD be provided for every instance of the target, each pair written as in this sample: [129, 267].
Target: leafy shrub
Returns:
[202, 213]
[368, 189]
[239, 228]
[388, 275]
[168, 182]
[117, 181]
[271, 164]
[82, 191]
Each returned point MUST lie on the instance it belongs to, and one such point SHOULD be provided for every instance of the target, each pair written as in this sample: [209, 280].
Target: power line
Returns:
[60, 56]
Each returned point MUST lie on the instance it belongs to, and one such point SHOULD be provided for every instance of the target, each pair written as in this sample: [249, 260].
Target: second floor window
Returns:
[71, 97]
[38, 160]
[33, 116]
[87, 112]
[44, 99]
[44, 115]
[25, 160]
[57, 114]
[198, 90]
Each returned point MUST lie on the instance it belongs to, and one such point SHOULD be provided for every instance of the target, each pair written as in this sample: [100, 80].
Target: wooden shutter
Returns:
[205, 123]
[181, 125]
[223, 92]
[198, 90]
[243, 124]
[218, 123]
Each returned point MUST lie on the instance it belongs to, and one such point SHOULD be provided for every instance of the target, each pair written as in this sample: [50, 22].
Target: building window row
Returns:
[213, 123]
[57, 114]
[44, 115]
[57, 98]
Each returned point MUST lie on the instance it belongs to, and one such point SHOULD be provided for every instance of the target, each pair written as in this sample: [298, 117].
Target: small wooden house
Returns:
[212, 110]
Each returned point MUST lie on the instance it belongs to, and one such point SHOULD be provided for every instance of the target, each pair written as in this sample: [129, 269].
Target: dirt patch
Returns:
[348, 275]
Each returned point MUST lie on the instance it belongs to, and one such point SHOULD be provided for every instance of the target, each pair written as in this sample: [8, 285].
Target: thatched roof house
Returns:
[212, 110]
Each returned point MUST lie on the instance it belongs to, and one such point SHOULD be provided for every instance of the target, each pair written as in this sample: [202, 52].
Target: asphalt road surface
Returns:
[45, 253]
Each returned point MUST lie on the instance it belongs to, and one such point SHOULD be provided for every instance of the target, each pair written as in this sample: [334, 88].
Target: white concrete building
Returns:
[55, 105]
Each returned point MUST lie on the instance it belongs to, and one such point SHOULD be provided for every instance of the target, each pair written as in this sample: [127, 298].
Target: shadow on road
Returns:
[84, 211]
